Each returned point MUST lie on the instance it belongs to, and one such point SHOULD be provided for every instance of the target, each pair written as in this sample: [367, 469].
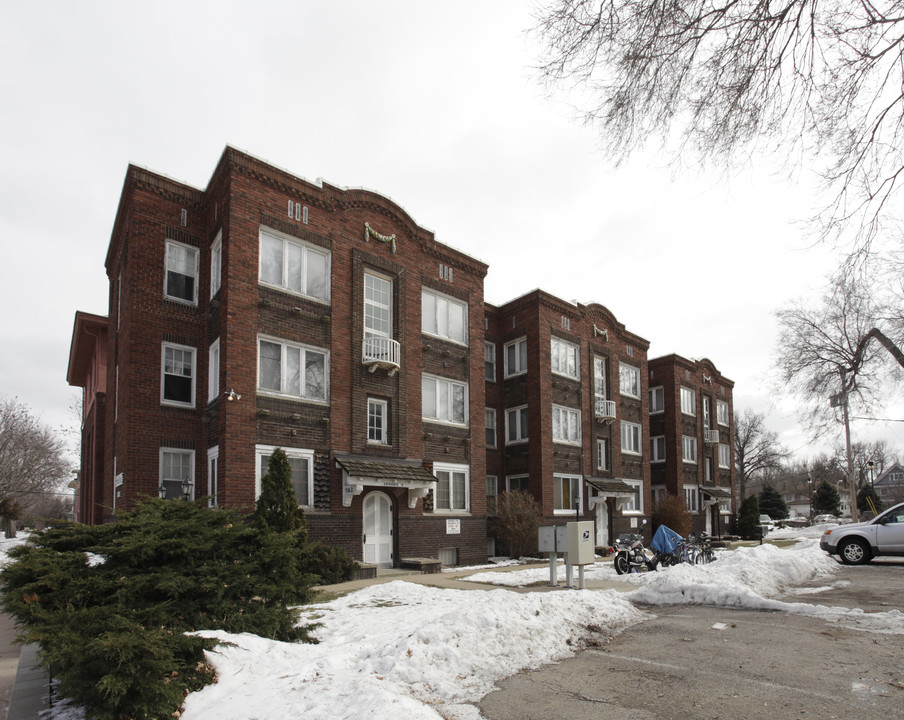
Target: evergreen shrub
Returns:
[110, 606]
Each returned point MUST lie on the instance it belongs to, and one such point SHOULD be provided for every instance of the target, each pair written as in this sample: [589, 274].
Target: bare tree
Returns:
[824, 351]
[817, 81]
[758, 453]
[32, 458]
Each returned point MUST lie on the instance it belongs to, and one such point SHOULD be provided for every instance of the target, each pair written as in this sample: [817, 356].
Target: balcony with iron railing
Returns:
[604, 410]
[381, 353]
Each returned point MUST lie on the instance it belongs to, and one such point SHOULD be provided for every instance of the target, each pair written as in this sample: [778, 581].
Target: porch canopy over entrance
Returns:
[715, 494]
[607, 487]
[358, 471]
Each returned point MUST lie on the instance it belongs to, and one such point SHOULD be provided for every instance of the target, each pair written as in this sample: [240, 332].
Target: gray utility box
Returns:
[581, 543]
[552, 539]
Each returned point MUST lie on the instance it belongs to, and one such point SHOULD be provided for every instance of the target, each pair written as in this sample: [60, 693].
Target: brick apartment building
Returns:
[268, 311]
[691, 438]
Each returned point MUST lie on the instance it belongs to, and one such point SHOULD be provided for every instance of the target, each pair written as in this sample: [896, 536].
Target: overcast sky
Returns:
[435, 105]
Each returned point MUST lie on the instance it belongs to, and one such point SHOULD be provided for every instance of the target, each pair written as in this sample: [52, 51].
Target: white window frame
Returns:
[657, 400]
[293, 454]
[455, 505]
[688, 401]
[629, 380]
[303, 350]
[689, 449]
[519, 356]
[724, 456]
[566, 425]
[194, 374]
[722, 415]
[575, 500]
[378, 306]
[510, 478]
[636, 505]
[216, 264]
[631, 438]
[490, 427]
[213, 371]
[195, 254]
[516, 419]
[438, 321]
[657, 449]
[489, 361]
[692, 498]
[378, 408]
[190, 454]
[213, 475]
[443, 386]
[306, 250]
[564, 358]
[600, 382]
[602, 454]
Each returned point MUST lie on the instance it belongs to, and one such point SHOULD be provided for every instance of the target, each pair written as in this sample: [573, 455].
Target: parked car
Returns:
[858, 543]
[824, 519]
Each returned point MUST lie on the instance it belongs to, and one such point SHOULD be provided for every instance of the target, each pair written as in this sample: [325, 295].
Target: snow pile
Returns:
[401, 648]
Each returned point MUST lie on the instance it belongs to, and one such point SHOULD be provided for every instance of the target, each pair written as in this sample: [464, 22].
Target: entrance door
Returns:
[602, 523]
[378, 530]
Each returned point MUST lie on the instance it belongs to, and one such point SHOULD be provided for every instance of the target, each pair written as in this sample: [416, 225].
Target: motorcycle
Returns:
[632, 556]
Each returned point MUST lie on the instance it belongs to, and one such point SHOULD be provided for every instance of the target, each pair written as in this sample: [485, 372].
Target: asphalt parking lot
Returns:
[706, 662]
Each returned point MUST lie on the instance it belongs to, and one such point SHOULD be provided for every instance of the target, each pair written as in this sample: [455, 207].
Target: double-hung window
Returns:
[722, 412]
[566, 493]
[657, 400]
[602, 454]
[178, 372]
[691, 496]
[216, 264]
[516, 425]
[302, 464]
[629, 380]
[516, 357]
[292, 370]
[688, 401]
[213, 371]
[453, 491]
[599, 380]
[444, 400]
[377, 317]
[631, 438]
[518, 483]
[444, 317]
[635, 504]
[490, 423]
[724, 456]
[181, 282]
[657, 449]
[290, 264]
[564, 358]
[489, 361]
[689, 448]
[176, 466]
[377, 415]
[213, 475]
[566, 425]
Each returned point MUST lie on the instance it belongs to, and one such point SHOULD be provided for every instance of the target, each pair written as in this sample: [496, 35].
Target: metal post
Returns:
[580, 577]
[553, 562]
[569, 573]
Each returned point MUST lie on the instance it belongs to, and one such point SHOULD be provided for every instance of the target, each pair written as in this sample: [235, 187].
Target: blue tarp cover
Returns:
[665, 540]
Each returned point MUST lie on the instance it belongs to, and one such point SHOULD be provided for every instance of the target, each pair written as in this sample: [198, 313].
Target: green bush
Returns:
[110, 605]
[748, 516]
[330, 564]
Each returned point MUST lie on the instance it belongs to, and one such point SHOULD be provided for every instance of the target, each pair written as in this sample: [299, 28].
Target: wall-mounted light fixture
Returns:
[187, 486]
[233, 395]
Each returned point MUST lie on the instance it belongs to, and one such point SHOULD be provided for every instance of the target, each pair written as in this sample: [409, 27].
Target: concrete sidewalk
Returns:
[24, 687]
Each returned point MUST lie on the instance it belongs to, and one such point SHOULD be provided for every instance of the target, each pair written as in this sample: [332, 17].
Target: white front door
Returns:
[602, 523]
[378, 530]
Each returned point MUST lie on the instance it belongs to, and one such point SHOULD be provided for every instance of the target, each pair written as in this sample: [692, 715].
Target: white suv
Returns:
[861, 542]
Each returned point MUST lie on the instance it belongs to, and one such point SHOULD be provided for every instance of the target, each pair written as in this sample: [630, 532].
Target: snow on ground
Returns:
[406, 650]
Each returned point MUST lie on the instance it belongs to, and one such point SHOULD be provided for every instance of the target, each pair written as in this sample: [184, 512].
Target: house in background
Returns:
[889, 485]
[269, 311]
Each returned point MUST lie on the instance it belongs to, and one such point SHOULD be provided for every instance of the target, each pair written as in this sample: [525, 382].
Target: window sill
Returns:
[293, 398]
[292, 293]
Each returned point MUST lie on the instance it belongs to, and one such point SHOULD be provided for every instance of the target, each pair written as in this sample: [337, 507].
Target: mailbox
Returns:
[581, 543]
[552, 539]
